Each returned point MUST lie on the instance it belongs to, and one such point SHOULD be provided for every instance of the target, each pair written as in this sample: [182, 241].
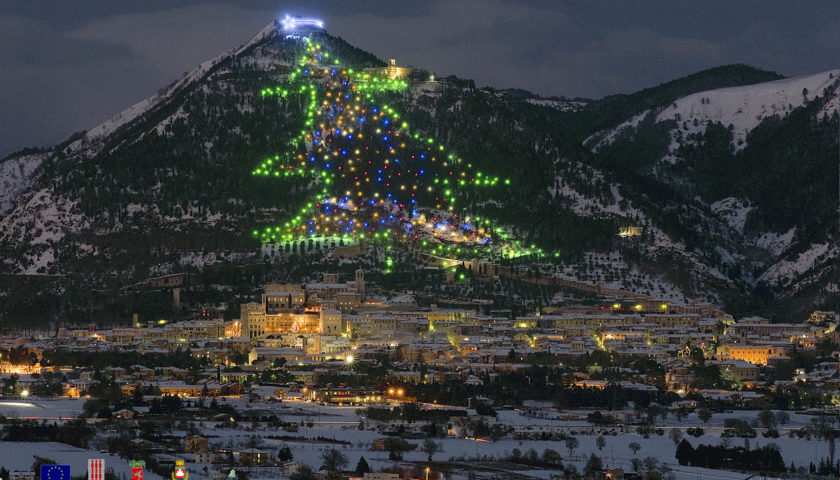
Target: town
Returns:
[334, 368]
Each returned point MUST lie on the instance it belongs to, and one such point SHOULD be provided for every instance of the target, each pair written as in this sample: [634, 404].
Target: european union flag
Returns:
[55, 472]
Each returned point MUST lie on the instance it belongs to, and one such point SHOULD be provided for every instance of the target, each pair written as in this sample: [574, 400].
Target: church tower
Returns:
[360, 284]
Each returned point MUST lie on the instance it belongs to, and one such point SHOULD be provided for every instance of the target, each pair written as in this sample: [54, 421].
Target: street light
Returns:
[24, 393]
[427, 472]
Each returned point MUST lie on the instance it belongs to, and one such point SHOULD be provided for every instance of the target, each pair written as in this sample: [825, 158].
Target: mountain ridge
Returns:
[188, 153]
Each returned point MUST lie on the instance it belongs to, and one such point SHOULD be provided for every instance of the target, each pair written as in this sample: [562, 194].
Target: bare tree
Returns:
[571, 445]
[430, 448]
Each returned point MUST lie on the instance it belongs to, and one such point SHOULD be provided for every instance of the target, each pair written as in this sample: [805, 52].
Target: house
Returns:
[206, 457]
[195, 443]
[251, 456]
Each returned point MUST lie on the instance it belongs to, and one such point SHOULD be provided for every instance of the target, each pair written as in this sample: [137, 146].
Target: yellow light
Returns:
[349, 359]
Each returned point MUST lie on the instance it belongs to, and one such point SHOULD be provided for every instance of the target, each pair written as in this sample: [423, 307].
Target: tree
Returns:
[362, 467]
[333, 462]
[430, 448]
[782, 417]
[305, 473]
[9, 384]
[396, 447]
[676, 435]
[767, 419]
[600, 442]
[704, 415]
[571, 445]
[593, 466]
[635, 447]
[650, 463]
[498, 431]
[551, 457]
[285, 454]
[685, 452]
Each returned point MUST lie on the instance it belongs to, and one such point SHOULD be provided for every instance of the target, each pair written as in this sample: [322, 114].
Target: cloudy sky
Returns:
[68, 65]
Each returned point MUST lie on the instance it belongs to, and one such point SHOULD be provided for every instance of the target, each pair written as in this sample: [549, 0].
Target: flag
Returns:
[55, 472]
[180, 472]
[137, 469]
[96, 469]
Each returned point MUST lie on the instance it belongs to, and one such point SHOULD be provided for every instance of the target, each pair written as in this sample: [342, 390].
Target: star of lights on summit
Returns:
[374, 173]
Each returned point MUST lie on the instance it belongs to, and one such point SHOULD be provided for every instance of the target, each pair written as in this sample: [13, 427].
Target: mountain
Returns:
[728, 173]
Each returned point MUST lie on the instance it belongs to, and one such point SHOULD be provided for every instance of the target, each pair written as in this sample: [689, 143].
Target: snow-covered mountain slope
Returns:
[16, 176]
[562, 105]
[745, 107]
[43, 220]
[169, 181]
[146, 105]
[742, 107]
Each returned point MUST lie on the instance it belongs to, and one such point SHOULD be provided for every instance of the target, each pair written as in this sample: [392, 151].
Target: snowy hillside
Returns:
[745, 107]
[142, 107]
[16, 176]
[563, 106]
[741, 107]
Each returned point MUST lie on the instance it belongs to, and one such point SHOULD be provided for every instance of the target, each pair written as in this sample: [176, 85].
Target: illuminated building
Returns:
[625, 232]
[296, 309]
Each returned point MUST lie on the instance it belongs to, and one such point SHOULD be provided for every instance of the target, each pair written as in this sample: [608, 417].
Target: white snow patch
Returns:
[16, 176]
[787, 270]
[776, 243]
[562, 105]
[606, 137]
[733, 211]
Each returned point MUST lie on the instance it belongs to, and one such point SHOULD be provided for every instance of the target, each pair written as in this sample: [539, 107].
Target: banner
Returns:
[55, 472]
[96, 469]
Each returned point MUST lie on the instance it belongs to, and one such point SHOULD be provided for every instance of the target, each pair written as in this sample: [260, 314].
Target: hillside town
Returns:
[339, 348]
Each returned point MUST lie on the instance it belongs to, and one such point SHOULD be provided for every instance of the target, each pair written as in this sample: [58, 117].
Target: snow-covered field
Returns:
[42, 408]
[341, 425]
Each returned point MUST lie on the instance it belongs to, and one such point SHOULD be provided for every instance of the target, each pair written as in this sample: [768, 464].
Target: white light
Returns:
[24, 393]
[349, 359]
[290, 22]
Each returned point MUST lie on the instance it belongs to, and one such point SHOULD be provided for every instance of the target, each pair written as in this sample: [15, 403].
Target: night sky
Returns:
[69, 65]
